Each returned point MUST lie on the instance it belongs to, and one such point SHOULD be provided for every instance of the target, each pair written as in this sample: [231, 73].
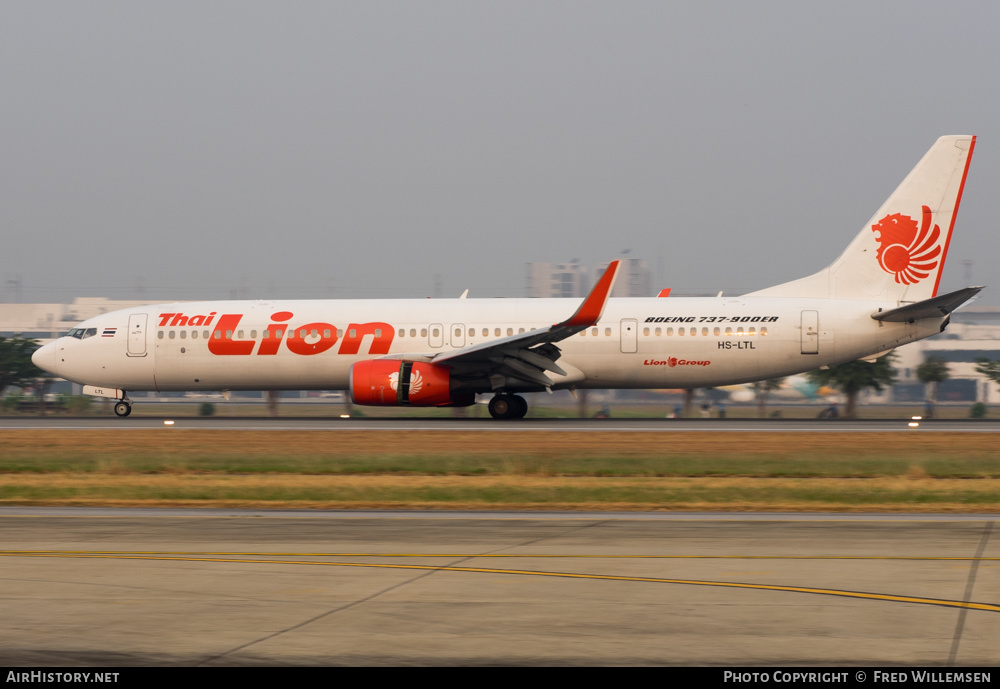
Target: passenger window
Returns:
[434, 333]
[159, 335]
[413, 332]
[594, 332]
[607, 332]
[753, 331]
[353, 333]
[184, 334]
[218, 334]
[520, 331]
[670, 332]
[486, 332]
[645, 332]
[739, 331]
[240, 334]
[171, 335]
[510, 331]
[194, 334]
[729, 331]
[717, 332]
[402, 333]
[704, 331]
[496, 333]
[680, 331]
[326, 333]
[423, 332]
[458, 332]
[229, 334]
[659, 332]
[763, 331]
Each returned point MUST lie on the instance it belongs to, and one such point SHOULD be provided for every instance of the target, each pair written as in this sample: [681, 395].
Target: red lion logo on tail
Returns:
[906, 252]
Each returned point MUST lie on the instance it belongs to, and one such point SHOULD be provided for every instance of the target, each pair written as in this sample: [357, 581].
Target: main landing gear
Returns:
[123, 407]
[508, 407]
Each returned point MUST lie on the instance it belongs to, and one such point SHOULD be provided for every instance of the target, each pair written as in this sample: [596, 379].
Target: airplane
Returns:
[796, 388]
[882, 292]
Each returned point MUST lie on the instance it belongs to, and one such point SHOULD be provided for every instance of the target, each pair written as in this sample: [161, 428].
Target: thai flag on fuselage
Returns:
[109, 332]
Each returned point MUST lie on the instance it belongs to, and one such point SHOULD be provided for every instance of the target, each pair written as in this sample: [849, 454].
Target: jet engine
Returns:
[390, 383]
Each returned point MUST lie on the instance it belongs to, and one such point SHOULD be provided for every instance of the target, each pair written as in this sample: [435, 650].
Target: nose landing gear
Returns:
[508, 407]
[123, 407]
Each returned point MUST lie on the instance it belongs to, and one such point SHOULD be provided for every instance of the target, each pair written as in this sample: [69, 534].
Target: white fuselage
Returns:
[637, 343]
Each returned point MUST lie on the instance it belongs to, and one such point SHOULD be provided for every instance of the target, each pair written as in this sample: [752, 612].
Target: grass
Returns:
[515, 470]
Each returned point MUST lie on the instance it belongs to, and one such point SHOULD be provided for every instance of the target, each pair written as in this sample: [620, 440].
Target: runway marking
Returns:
[985, 607]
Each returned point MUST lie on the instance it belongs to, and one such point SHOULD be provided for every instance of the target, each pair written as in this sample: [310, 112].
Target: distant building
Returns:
[546, 280]
[634, 278]
[44, 322]
[974, 333]
[575, 280]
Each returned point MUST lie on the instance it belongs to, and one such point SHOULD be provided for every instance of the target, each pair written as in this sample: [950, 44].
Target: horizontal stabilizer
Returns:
[935, 307]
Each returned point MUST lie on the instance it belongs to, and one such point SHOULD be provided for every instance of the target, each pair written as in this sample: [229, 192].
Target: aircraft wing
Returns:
[935, 307]
[527, 356]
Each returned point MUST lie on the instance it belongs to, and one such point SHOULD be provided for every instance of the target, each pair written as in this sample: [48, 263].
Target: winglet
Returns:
[593, 306]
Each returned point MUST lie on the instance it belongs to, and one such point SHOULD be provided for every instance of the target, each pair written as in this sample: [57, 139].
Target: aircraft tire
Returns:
[123, 408]
[520, 407]
[500, 407]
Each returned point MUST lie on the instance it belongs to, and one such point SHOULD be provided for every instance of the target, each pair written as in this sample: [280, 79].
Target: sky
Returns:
[204, 150]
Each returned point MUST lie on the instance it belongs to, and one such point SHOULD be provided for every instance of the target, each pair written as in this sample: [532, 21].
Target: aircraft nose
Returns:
[45, 357]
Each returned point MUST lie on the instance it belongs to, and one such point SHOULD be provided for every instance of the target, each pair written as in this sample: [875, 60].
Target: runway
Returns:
[902, 425]
[204, 587]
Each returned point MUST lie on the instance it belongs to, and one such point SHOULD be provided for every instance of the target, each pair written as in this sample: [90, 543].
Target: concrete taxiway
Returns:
[204, 587]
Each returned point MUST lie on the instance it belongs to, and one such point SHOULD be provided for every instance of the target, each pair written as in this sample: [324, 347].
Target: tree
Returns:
[853, 377]
[15, 362]
[990, 369]
[762, 389]
[934, 370]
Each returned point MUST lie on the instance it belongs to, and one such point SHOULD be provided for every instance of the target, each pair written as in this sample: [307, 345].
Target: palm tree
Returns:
[16, 368]
[989, 368]
[854, 376]
[762, 389]
[934, 370]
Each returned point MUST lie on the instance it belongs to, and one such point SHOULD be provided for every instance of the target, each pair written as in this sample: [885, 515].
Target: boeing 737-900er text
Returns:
[879, 294]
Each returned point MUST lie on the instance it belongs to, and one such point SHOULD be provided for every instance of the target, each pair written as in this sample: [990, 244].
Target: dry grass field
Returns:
[932, 472]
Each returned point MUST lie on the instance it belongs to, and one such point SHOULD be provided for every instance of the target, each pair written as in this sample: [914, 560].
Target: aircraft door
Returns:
[457, 335]
[810, 332]
[630, 335]
[435, 335]
[137, 334]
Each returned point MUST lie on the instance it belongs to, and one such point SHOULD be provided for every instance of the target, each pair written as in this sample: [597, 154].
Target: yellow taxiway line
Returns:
[240, 558]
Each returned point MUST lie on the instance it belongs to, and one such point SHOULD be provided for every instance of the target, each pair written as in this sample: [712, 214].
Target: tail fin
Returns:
[899, 254]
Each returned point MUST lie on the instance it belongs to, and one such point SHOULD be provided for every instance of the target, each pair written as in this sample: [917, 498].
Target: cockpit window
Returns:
[82, 333]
